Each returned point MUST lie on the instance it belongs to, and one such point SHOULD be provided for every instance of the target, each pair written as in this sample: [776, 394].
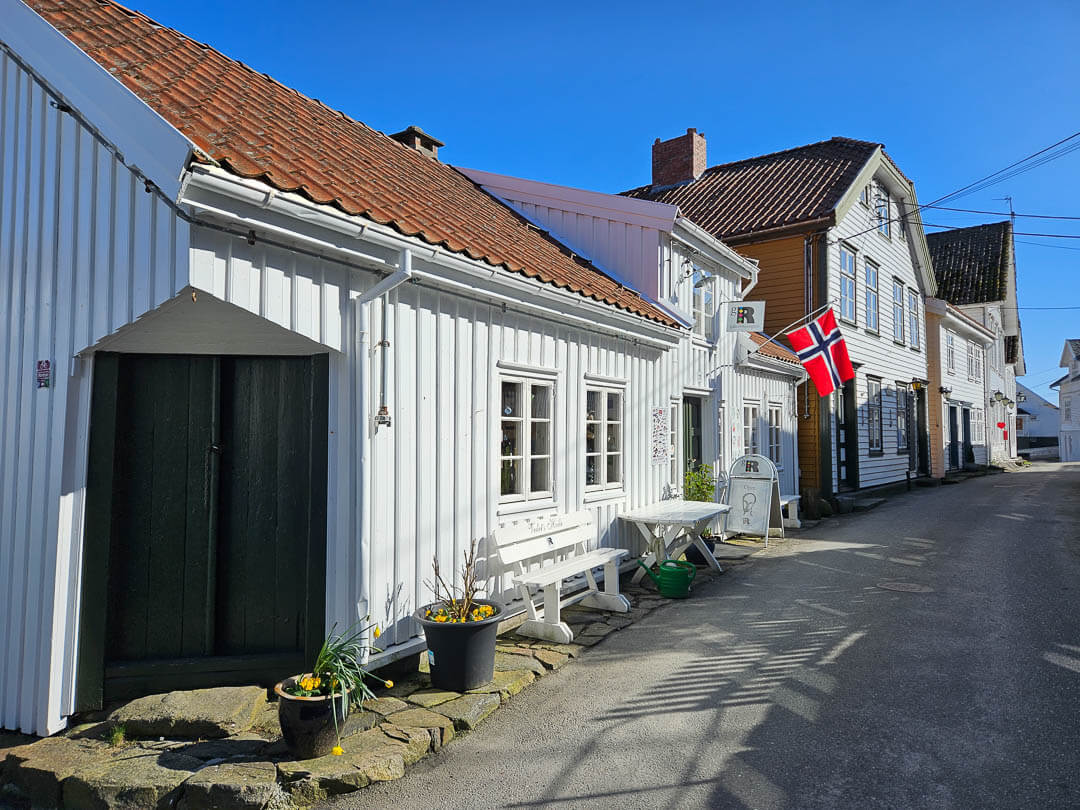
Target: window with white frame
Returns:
[881, 208]
[970, 360]
[776, 415]
[847, 284]
[864, 195]
[704, 303]
[1066, 410]
[898, 311]
[525, 471]
[873, 414]
[751, 416]
[978, 356]
[603, 437]
[978, 426]
[901, 221]
[901, 417]
[871, 296]
[913, 318]
[950, 352]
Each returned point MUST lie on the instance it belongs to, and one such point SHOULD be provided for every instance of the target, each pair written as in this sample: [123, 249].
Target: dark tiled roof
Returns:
[972, 264]
[773, 350]
[1074, 347]
[257, 128]
[784, 189]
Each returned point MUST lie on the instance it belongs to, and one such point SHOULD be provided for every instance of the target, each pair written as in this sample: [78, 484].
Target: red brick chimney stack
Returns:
[679, 159]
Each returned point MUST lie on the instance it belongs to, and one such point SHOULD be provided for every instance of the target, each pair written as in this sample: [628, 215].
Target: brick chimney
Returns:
[679, 159]
[416, 138]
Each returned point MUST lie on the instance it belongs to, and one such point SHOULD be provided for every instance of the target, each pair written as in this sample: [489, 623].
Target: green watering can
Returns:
[673, 578]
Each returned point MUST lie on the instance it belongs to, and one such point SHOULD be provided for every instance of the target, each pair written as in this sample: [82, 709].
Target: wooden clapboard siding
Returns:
[781, 279]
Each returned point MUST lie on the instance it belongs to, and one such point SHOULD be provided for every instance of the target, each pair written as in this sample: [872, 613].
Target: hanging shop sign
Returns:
[746, 316]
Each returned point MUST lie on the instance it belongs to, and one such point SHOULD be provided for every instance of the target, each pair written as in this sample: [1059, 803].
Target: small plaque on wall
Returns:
[44, 373]
[660, 437]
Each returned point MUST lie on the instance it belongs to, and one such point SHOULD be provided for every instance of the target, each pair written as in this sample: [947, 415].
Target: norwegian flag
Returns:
[823, 353]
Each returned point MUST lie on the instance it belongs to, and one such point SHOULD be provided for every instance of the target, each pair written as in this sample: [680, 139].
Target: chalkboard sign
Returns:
[754, 496]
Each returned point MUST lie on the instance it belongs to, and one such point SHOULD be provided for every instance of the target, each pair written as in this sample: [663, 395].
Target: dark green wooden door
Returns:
[208, 508]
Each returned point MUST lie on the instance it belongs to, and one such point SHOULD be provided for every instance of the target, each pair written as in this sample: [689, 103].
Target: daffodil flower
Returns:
[337, 750]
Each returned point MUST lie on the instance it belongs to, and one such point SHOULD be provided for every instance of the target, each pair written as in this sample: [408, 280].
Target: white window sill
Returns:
[601, 495]
[520, 507]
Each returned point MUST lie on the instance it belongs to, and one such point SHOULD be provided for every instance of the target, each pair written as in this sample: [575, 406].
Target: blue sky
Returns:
[575, 93]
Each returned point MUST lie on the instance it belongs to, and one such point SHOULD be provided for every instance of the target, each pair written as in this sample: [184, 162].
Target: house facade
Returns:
[1068, 388]
[957, 347]
[253, 384]
[976, 272]
[734, 391]
[1038, 423]
[831, 224]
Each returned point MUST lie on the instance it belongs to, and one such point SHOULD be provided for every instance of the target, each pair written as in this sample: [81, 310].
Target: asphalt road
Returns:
[805, 679]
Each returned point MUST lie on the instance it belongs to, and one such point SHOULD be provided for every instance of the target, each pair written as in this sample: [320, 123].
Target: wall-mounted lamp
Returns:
[945, 389]
[998, 396]
[701, 282]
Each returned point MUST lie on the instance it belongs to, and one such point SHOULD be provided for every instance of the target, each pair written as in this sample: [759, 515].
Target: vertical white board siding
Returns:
[84, 250]
[878, 354]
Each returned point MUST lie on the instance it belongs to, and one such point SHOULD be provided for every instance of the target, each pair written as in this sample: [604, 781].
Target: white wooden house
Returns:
[976, 272]
[831, 223]
[261, 363]
[734, 392]
[957, 347]
[1068, 388]
[1038, 423]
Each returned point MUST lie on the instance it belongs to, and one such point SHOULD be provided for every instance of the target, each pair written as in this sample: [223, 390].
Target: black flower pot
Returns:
[461, 656]
[307, 723]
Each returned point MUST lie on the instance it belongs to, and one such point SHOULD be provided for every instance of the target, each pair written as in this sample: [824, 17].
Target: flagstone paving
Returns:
[222, 748]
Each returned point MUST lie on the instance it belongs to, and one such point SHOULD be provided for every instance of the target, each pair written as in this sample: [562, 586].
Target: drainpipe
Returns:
[363, 328]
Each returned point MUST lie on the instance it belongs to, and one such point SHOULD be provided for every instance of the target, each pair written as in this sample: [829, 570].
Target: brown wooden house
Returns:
[831, 222]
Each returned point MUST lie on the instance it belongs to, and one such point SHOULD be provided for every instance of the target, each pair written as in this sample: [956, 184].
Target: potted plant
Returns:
[460, 630]
[313, 707]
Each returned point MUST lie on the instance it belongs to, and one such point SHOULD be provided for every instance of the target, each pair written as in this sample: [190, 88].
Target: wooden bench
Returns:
[545, 551]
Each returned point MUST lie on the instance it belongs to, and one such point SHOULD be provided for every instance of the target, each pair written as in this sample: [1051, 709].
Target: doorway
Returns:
[954, 437]
[847, 437]
[206, 522]
[969, 455]
[692, 443]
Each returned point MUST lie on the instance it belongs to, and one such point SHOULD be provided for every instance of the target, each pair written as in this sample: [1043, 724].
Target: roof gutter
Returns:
[779, 232]
[444, 268]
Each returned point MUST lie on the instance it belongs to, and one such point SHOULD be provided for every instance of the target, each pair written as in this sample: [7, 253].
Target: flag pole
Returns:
[790, 325]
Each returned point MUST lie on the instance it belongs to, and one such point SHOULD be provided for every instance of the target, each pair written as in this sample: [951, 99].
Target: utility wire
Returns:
[1018, 233]
[997, 213]
[1044, 244]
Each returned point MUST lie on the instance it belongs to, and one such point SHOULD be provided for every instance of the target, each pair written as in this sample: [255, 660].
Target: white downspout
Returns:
[366, 423]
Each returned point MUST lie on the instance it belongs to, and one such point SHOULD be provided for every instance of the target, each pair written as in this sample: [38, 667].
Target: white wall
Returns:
[84, 249]
[877, 353]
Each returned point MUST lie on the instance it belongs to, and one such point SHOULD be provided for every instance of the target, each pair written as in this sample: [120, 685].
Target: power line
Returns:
[1018, 233]
[998, 213]
[1044, 244]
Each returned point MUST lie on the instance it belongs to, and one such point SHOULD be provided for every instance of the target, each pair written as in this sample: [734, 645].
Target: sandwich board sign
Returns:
[746, 316]
[754, 496]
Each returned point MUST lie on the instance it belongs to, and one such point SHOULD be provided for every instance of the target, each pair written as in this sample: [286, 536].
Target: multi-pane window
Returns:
[950, 352]
[751, 420]
[864, 195]
[978, 426]
[1066, 410]
[603, 438]
[847, 284]
[775, 434]
[525, 448]
[871, 296]
[977, 353]
[898, 311]
[704, 304]
[971, 360]
[913, 318]
[901, 416]
[881, 207]
[873, 413]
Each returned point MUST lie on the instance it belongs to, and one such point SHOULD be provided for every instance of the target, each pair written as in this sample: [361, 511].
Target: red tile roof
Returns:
[800, 186]
[773, 350]
[257, 128]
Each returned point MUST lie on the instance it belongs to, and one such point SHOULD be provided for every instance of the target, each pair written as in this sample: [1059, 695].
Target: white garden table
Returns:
[677, 525]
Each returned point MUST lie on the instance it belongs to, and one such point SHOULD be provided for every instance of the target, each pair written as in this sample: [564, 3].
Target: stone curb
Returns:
[230, 760]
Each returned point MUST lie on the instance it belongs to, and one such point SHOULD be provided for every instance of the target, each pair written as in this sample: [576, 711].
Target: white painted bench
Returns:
[789, 510]
[545, 551]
